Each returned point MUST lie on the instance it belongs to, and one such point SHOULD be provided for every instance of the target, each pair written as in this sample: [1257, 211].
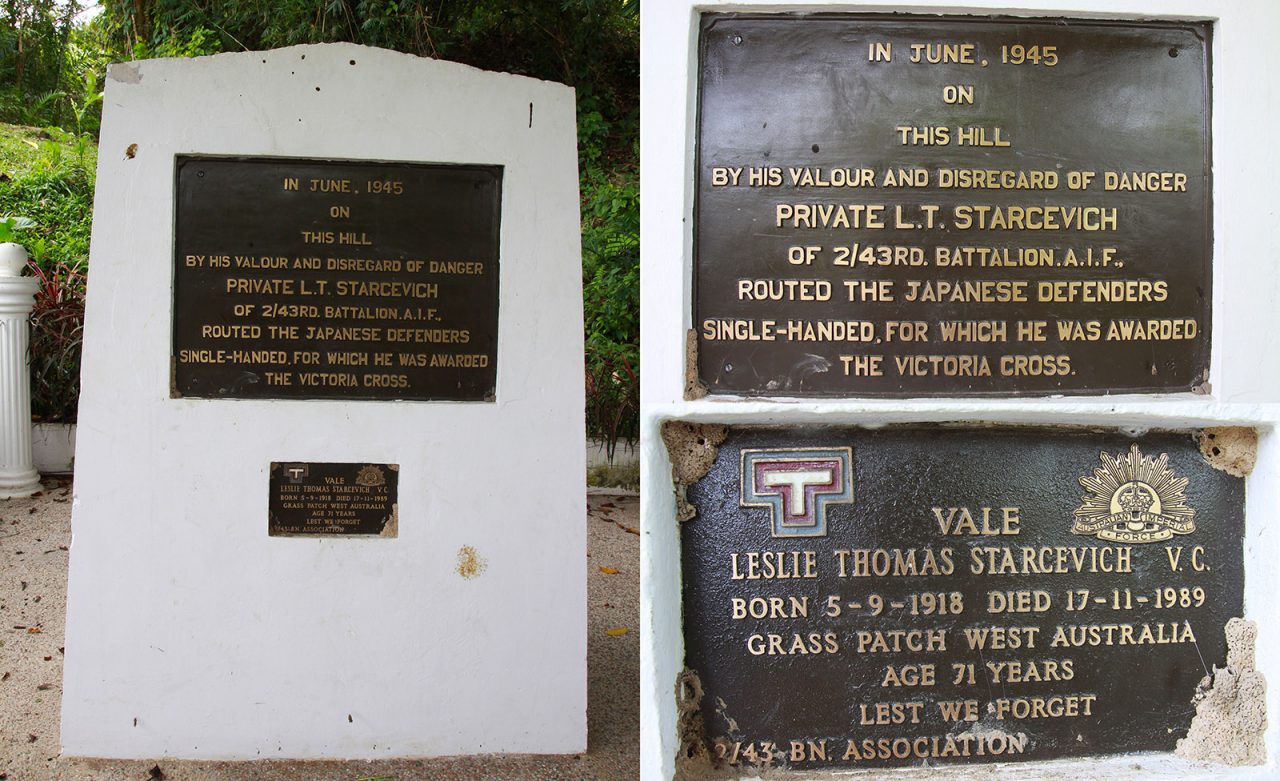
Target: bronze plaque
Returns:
[914, 596]
[314, 279]
[310, 499]
[910, 206]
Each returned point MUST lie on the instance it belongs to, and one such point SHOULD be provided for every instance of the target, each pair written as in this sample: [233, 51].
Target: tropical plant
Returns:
[57, 334]
[611, 296]
[43, 61]
[9, 227]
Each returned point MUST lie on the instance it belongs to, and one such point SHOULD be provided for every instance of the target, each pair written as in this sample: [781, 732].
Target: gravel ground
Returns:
[34, 535]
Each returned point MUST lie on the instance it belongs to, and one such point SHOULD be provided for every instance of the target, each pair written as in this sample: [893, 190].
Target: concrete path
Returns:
[34, 536]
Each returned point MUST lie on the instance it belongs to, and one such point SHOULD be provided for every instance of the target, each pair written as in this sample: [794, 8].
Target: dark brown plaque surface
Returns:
[310, 279]
[902, 206]
[864, 598]
[311, 499]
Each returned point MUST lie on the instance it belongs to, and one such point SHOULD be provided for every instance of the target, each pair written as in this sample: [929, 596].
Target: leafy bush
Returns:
[60, 204]
[57, 333]
[49, 65]
[195, 42]
[9, 227]
[50, 184]
[611, 297]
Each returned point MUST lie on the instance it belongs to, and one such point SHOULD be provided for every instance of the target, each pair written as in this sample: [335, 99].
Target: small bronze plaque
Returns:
[908, 206]
[313, 279]
[916, 596]
[311, 499]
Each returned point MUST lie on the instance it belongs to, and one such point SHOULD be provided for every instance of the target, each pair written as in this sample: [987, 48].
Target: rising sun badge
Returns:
[1134, 498]
[370, 475]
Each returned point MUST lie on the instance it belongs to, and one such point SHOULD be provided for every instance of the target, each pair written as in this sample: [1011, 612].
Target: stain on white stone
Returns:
[124, 72]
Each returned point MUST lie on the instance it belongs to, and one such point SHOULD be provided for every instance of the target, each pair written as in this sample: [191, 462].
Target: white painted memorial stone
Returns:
[375, 259]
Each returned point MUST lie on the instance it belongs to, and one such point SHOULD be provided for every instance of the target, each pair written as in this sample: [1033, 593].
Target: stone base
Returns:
[53, 448]
[16, 484]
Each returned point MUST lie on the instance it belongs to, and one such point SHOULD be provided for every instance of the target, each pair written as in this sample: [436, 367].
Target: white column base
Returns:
[18, 483]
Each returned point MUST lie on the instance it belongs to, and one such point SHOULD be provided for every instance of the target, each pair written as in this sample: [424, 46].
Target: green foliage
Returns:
[10, 225]
[50, 183]
[49, 66]
[19, 150]
[195, 42]
[611, 296]
[57, 335]
[58, 197]
[86, 63]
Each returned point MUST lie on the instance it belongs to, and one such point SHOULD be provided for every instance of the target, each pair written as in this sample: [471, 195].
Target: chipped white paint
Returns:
[1245, 369]
[223, 643]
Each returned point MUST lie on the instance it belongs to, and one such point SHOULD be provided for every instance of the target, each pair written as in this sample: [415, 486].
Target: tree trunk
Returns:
[20, 59]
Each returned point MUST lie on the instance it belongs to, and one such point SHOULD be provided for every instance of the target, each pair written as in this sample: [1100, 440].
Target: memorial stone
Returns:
[333, 336]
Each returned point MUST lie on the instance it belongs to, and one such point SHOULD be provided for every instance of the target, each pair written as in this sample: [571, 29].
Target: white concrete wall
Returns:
[623, 454]
[53, 447]
[191, 633]
[1245, 370]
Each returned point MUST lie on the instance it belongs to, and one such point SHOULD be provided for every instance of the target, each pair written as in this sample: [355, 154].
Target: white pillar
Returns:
[17, 295]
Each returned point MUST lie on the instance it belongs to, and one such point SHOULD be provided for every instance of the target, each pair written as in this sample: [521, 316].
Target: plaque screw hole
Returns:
[736, 40]
[317, 89]
[200, 173]
[353, 62]
[1173, 51]
[702, 441]
[815, 147]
